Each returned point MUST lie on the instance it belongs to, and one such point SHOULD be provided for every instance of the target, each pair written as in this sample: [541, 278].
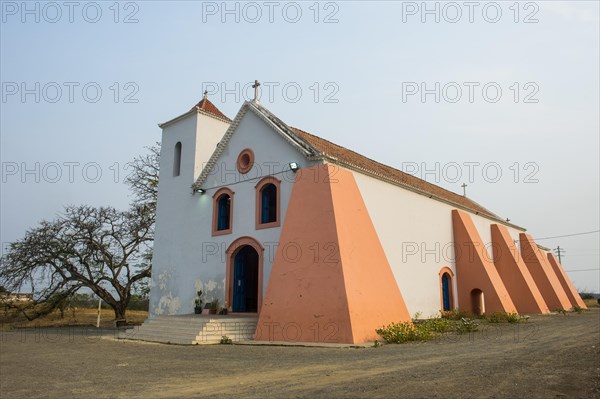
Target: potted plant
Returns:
[198, 302]
[214, 306]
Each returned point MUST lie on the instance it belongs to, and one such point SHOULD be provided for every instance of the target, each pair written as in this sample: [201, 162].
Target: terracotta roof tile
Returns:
[360, 161]
[206, 106]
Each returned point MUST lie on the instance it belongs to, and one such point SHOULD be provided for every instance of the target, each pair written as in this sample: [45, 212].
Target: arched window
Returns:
[446, 289]
[222, 212]
[177, 160]
[268, 211]
[267, 203]
[223, 208]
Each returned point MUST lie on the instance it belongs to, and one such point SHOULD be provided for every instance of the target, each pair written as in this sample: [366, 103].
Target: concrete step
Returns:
[192, 329]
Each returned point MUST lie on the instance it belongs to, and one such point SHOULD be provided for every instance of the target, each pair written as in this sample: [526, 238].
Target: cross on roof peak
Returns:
[255, 87]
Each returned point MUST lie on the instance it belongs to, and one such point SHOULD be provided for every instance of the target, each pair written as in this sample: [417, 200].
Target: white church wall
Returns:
[416, 235]
[187, 257]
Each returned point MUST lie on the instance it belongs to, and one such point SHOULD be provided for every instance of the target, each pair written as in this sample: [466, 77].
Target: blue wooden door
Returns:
[239, 281]
[245, 280]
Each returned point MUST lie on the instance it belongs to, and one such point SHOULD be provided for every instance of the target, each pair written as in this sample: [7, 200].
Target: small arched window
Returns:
[222, 212]
[446, 289]
[268, 211]
[224, 206]
[177, 160]
[267, 203]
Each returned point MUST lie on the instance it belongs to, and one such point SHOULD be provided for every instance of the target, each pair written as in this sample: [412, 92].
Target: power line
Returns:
[568, 235]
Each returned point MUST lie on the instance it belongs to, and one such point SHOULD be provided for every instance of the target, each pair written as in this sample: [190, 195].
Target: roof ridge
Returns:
[403, 177]
[314, 147]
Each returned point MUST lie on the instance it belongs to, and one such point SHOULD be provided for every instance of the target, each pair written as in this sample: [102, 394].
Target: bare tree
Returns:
[103, 249]
[143, 176]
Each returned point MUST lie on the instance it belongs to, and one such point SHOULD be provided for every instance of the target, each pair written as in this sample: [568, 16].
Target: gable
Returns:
[272, 152]
[270, 122]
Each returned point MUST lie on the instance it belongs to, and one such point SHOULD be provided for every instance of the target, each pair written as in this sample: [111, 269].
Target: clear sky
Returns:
[502, 96]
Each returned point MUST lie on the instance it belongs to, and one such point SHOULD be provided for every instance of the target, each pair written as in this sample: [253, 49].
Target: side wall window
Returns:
[267, 203]
[177, 160]
[446, 289]
[222, 212]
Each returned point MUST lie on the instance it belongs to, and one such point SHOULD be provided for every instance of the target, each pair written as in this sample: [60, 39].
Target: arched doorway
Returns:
[244, 275]
[477, 302]
[245, 280]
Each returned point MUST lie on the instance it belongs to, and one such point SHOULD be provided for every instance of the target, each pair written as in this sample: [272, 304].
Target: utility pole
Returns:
[559, 251]
[99, 311]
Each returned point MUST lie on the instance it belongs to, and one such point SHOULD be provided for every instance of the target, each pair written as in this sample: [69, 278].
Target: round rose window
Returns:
[245, 161]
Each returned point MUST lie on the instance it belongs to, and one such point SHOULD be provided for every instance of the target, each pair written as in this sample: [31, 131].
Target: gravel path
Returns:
[547, 357]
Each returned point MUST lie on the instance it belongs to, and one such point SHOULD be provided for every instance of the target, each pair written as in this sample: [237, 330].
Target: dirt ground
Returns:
[551, 356]
[71, 317]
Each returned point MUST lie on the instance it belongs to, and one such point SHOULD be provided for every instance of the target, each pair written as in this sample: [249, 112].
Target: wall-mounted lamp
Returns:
[199, 190]
[294, 166]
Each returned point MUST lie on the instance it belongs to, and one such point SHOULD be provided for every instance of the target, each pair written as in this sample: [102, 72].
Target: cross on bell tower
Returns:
[255, 87]
[205, 94]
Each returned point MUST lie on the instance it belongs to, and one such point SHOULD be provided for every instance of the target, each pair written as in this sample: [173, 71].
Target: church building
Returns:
[318, 243]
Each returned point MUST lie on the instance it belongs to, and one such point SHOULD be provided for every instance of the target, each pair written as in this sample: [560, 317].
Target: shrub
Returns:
[496, 317]
[455, 314]
[561, 311]
[421, 330]
[397, 333]
[501, 317]
[466, 325]
[586, 295]
[512, 317]
[225, 340]
[437, 325]
[577, 309]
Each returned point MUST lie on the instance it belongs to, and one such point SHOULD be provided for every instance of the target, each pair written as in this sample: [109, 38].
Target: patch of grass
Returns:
[397, 333]
[561, 311]
[496, 317]
[466, 325]
[501, 317]
[424, 330]
[577, 309]
[225, 340]
[455, 314]
[437, 325]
